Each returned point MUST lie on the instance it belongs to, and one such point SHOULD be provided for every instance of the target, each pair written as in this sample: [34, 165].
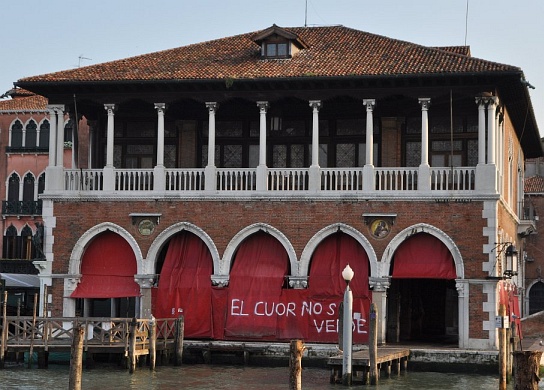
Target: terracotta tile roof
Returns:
[463, 50]
[24, 103]
[534, 184]
[332, 52]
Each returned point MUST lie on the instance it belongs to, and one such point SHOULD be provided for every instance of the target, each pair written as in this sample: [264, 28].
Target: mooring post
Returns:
[32, 331]
[180, 328]
[502, 348]
[526, 369]
[132, 345]
[4, 330]
[152, 343]
[296, 348]
[76, 357]
[373, 344]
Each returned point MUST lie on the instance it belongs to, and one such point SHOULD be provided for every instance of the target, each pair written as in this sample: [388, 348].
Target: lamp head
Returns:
[347, 274]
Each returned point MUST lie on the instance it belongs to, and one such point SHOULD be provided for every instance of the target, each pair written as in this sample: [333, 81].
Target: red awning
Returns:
[423, 256]
[107, 269]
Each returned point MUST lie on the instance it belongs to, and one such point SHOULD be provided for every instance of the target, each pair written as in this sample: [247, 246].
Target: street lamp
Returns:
[511, 266]
[347, 274]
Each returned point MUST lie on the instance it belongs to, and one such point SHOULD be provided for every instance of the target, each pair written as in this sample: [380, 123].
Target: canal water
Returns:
[216, 377]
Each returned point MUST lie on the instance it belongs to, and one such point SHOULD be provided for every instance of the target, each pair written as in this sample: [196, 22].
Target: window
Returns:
[44, 135]
[276, 50]
[31, 134]
[17, 134]
[10, 243]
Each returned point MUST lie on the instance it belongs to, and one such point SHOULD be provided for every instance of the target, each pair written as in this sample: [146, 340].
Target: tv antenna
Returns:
[82, 58]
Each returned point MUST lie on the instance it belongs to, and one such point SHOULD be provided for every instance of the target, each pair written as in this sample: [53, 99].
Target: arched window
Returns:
[10, 243]
[17, 134]
[536, 298]
[68, 131]
[31, 133]
[41, 189]
[27, 250]
[13, 188]
[28, 205]
[44, 135]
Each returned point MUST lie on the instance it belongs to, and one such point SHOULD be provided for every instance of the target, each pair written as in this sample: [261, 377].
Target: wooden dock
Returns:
[388, 360]
[127, 337]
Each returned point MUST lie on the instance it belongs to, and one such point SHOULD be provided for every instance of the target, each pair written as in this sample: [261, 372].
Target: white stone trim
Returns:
[76, 256]
[421, 228]
[168, 233]
[329, 230]
[246, 232]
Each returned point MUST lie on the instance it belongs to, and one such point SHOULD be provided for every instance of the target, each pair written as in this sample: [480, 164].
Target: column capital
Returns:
[110, 108]
[492, 101]
[212, 106]
[263, 106]
[55, 107]
[160, 106]
[369, 104]
[316, 104]
[425, 103]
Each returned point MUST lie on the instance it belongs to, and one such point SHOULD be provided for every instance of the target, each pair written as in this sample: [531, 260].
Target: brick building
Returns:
[534, 255]
[233, 180]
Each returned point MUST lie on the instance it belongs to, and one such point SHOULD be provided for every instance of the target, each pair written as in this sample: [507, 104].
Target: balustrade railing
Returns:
[83, 179]
[396, 179]
[133, 179]
[236, 179]
[287, 179]
[277, 179]
[453, 179]
[185, 179]
[21, 207]
[342, 179]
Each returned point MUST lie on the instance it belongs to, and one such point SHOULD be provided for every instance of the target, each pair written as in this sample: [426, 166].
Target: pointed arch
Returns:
[422, 228]
[169, 232]
[16, 134]
[329, 230]
[74, 266]
[246, 232]
[31, 132]
[43, 140]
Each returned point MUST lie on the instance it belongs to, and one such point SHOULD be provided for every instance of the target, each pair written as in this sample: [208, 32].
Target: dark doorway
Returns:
[422, 310]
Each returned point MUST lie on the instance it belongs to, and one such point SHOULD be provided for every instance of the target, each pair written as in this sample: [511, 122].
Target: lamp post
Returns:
[347, 274]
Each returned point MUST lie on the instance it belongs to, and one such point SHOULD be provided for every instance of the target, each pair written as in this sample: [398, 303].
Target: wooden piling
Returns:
[132, 346]
[33, 331]
[296, 348]
[152, 343]
[76, 357]
[526, 369]
[180, 328]
[502, 350]
[4, 330]
[373, 344]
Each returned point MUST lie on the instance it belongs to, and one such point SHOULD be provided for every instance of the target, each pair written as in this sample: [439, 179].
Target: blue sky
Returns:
[41, 36]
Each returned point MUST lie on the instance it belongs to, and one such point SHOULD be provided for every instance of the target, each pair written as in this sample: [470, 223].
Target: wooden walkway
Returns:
[387, 359]
[129, 337]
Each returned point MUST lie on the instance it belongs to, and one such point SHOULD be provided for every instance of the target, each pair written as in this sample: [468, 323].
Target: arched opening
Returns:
[185, 266]
[326, 286]
[536, 298]
[257, 279]
[107, 287]
[422, 299]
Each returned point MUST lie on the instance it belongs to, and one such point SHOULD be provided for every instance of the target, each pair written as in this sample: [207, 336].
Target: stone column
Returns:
[159, 178]
[491, 129]
[368, 170]
[480, 101]
[146, 283]
[60, 136]
[462, 287]
[109, 175]
[262, 168]
[379, 297]
[110, 108]
[424, 175]
[209, 172]
[314, 171]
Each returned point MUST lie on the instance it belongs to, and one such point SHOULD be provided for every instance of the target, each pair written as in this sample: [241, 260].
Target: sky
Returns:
[41, 36]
